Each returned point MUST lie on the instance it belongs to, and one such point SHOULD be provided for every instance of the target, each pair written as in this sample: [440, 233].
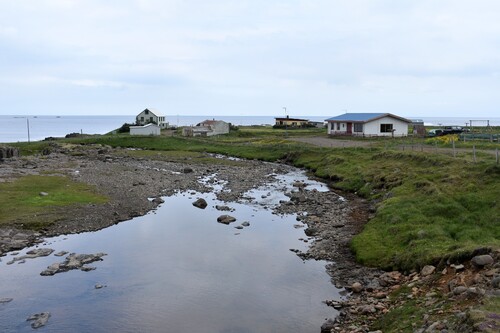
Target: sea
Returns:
[34, 128]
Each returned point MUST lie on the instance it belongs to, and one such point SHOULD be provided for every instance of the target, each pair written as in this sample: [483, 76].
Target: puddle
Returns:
[178, 270]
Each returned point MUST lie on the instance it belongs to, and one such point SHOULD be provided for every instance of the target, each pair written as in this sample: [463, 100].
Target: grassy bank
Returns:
[428, 206]
[21, 203]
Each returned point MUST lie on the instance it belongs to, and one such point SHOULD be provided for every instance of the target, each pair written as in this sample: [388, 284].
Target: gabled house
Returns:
[207, 128]
[148, 116]
[368, 124]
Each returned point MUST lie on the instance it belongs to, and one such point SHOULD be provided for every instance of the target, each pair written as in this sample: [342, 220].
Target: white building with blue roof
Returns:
[368, 124]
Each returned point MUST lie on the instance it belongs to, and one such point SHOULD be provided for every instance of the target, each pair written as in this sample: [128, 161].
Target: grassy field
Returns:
[428, 206]
[22, 204]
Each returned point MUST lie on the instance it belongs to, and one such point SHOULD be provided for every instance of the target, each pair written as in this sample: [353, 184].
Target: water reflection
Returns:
[176, 270]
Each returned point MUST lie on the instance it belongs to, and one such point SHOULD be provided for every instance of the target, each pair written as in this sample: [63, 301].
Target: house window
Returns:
[146, 111]
[142, 118]
[358, 127]
[338, 126]
[386, 128]
[151, 119]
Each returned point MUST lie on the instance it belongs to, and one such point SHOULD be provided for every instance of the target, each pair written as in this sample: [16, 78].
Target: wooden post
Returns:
[454, 150]
[496, 153]
[474, 152]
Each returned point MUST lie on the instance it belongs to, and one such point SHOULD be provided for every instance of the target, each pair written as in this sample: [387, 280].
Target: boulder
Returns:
[200, 203]
[427, 270]
[187, 170]
[482, 260]
[226, 219]
[328, 326]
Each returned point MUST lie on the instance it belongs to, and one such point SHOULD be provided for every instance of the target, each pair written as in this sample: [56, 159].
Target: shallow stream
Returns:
[177, 270]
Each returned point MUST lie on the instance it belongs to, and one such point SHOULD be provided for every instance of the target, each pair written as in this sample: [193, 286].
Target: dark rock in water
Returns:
[239, 227]
[246, 224]
[5, 300]
[200, 203]
[223, 208]
[226, 219]
[187, 170]
[73, 261]
[328, 326]
[310, 231]
[60, 254]
[43, 252]
[158, 201]
[39, 319]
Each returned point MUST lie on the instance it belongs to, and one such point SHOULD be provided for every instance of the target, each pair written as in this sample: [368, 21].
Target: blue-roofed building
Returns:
[368, 124]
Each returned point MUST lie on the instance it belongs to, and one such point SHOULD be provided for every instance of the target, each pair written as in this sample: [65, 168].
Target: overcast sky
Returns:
[250, 57]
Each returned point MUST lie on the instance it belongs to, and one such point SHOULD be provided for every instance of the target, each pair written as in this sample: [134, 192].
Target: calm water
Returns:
[178, 270]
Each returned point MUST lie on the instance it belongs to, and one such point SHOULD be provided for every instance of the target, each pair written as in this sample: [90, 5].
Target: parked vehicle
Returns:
[435, 132]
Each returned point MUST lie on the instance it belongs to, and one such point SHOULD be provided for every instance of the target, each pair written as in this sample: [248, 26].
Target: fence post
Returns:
[496, 153]
[474, 152]
[454, 150]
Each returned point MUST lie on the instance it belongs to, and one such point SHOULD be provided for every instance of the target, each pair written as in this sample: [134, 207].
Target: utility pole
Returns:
[28, 126]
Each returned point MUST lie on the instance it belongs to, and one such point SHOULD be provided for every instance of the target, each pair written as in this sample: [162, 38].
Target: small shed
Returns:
[368, 124]
[149, 129]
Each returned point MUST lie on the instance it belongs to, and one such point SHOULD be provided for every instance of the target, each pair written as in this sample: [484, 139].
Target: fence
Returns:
[453, 151]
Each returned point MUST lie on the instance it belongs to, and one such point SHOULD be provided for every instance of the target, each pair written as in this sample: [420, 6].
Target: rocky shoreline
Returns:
[135, 186]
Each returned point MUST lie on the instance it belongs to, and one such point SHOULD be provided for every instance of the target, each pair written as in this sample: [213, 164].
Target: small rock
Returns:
[200, 203]
[239, 227]
[43, 194]
[482, 260]
[5, 300]
[99, 286]
[495, 282]
[226, 219]
[458, 267]
[357, 287]
[187, 170]
[39, 319]
[459, 290]
[61, 253]
[246, 224]
[427, 270]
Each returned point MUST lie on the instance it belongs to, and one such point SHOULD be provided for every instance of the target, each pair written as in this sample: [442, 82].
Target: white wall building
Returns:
[149, 129]
[368, 124]
[207, 128]
[151, 116]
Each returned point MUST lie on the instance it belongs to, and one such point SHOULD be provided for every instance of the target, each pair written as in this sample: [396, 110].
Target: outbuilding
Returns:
[149, 129]
[207, 128]
[368, 124]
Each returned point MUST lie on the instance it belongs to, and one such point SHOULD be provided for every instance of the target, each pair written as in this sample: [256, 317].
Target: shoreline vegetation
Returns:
[433, 201]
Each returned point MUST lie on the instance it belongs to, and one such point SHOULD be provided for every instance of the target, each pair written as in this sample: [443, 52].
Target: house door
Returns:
[349, 128]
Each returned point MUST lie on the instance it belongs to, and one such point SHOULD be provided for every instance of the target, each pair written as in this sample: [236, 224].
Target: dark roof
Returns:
[365, 117]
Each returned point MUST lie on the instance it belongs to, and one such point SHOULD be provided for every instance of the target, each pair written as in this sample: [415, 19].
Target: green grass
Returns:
[428, 206]
[21, 202]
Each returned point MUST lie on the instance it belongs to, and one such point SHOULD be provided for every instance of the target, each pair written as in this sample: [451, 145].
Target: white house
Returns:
[149, 129]
[368, 124]
[151, 116]
[207, 128]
